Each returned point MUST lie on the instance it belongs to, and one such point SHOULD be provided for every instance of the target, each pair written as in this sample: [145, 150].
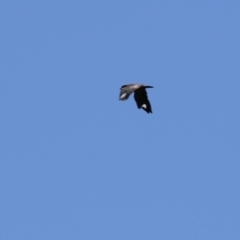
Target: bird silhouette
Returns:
[140, 95]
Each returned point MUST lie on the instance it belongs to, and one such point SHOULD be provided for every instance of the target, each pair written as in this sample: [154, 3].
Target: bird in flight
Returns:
[140, 95]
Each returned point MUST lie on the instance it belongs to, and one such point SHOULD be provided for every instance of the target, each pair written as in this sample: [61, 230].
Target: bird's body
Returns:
[140, 95]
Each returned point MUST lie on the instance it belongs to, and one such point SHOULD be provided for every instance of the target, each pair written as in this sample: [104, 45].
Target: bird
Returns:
[140, 95]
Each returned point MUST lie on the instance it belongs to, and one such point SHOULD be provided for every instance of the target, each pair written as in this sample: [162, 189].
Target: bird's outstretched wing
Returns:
[141, 98]
[125, 92]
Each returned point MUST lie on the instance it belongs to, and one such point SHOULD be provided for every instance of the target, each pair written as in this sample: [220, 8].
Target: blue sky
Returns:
[76, 163]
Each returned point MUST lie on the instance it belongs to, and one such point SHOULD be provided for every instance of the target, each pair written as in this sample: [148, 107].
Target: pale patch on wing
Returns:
[144, 106]
[123, 96]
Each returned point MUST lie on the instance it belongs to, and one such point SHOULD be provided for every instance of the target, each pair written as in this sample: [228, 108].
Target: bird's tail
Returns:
[148, 86]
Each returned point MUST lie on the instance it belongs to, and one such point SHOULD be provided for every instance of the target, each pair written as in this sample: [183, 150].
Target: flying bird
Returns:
[140, 95]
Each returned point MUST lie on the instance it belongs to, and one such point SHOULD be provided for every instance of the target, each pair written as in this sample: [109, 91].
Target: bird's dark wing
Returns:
[126, 91]
[141, 98]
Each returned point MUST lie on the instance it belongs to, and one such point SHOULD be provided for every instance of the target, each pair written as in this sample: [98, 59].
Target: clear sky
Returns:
[77, 163]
